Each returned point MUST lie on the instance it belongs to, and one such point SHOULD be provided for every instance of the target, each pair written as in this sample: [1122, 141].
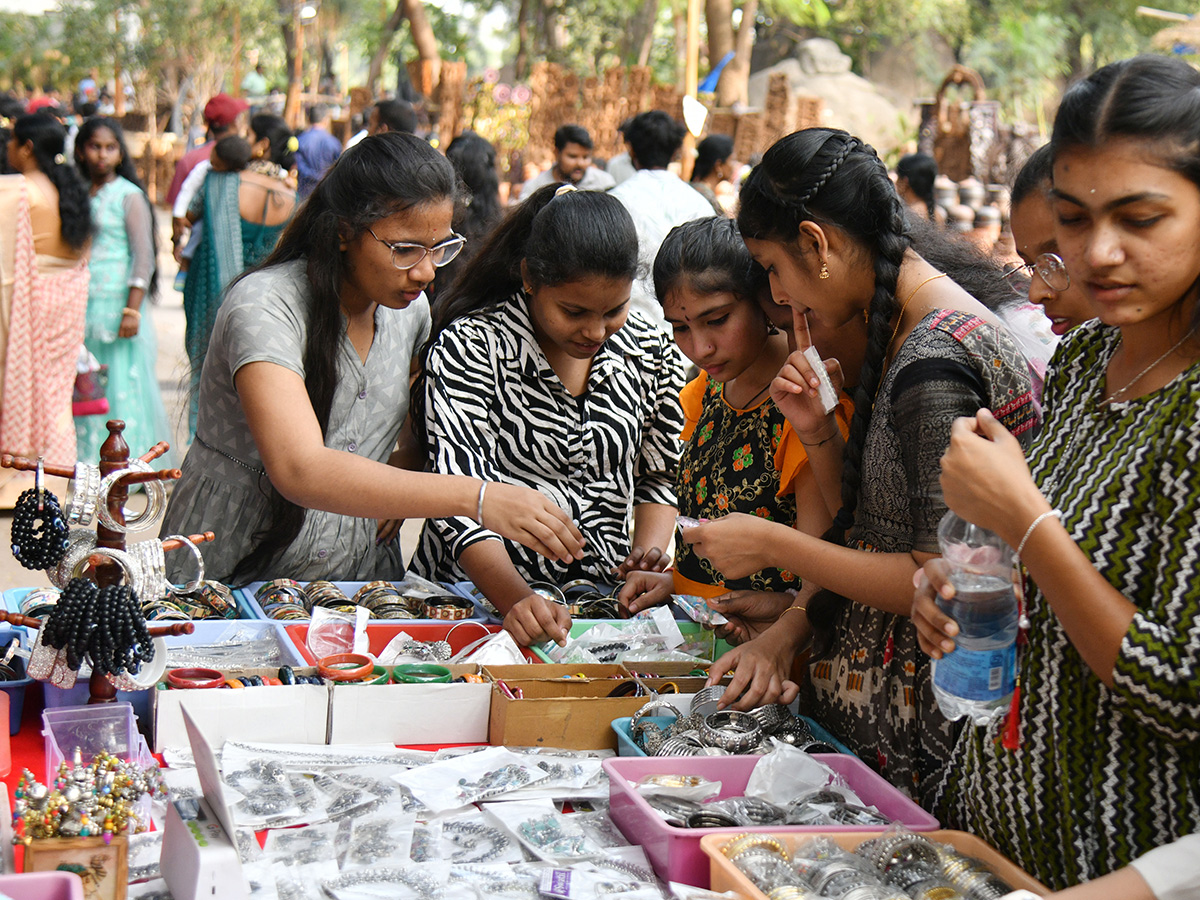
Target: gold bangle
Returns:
[130, 311]
[790, 608]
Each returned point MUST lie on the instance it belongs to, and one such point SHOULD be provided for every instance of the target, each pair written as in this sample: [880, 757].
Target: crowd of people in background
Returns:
[548, 377]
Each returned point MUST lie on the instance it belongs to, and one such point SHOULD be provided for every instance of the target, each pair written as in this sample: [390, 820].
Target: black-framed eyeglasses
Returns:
[405, 254]
[1049, 267]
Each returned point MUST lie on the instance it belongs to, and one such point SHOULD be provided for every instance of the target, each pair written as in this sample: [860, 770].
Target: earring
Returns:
[866, 317]
[771, 329]
[824, 273]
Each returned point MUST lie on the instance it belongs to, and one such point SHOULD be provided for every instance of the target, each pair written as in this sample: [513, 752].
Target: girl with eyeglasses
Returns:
[1098, 760]
[537, 374]
[1032, 222]
[303, 462]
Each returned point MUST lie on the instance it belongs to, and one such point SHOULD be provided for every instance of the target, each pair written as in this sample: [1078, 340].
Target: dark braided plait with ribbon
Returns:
[39, 530]
[828, 176]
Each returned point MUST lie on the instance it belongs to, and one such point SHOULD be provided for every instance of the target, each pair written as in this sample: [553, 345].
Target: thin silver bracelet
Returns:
[479, 504]
[1056, 513]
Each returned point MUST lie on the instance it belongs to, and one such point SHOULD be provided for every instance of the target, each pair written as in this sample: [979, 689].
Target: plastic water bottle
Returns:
[978, 677]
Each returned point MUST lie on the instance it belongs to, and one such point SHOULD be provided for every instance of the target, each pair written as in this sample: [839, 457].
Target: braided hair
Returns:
[832, 178]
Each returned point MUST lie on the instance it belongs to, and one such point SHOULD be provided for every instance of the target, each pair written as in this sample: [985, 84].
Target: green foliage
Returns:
[1021, 60]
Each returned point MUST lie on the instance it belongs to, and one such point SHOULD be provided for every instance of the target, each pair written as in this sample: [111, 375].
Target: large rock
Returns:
[821, 69]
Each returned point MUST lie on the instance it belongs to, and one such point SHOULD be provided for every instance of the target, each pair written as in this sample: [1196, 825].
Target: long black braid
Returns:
[831, 177]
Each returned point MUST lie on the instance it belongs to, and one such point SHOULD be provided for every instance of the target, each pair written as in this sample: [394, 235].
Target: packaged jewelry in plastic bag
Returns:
[383, 838]
[785, 773]
[430, 881]
[145, 849]
[454, 783]
[829, 807]
[331, 631]
[698, 610]
[506, 882]
[302, 882]
[261, 792]
[543, 830]
[302, 846]
[600, 829]
[678, 787]
[464, 840]
[260, 880]
[584, 882]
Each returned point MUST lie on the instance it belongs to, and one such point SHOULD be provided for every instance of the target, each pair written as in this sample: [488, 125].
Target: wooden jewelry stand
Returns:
[114, 456]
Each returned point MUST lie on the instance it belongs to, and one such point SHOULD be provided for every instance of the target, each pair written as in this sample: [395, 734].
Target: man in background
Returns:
[318, 148]
[572, 164]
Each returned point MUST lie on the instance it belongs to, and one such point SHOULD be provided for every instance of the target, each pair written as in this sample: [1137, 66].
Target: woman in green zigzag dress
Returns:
[1100, 760]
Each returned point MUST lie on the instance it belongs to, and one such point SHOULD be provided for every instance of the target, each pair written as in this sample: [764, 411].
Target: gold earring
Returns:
[824, 273]
[866, 317]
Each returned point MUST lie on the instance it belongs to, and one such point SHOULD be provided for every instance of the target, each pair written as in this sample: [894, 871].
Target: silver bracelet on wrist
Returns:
[479, 504]
[1056, 513]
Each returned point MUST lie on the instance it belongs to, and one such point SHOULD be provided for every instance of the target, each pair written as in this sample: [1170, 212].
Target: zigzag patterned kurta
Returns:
[1103, 775]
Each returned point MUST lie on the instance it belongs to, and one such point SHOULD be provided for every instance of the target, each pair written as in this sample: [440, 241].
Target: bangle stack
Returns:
[83, 492]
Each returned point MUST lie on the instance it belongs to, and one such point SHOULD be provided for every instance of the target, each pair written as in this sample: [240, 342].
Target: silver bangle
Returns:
[156, 501]
[80, 543]
[479, 504]
[152, 564]
[1056, 513]
[732, 731]
[191, 545]
[82, 494]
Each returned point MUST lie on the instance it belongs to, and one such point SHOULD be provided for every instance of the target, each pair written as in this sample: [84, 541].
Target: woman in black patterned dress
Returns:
[822, 217]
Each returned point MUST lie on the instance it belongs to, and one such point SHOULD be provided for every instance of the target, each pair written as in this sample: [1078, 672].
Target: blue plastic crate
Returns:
[16, 688]
[626, 746]
[14, 596]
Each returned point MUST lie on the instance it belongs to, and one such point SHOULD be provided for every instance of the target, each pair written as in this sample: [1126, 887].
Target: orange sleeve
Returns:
[691, 398]
[790, 455]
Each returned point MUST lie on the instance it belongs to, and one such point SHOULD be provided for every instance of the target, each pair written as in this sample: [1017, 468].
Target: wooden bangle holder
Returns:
[114, 456]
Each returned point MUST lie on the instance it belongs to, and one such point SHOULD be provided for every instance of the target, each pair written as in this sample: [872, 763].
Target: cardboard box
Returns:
[725, 876]
[295, 713]
[411, 713]
[558, 709]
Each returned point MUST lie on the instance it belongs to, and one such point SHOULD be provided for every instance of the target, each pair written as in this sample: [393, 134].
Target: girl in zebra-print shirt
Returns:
[537, 374]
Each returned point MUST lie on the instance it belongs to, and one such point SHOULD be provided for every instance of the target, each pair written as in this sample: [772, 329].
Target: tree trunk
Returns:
[639, 39]
[679, 22]
[734, 86]
[385, 41]
[553, 38]
[522, 61]
[289, 17]
[422, 35]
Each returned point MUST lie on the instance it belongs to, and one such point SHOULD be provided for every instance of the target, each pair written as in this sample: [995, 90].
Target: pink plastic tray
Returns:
[42, 886]
[676, 853]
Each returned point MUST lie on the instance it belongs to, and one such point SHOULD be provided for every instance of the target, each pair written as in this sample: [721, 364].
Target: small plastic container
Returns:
[42, 886]
[627, 747]
[99, 727]
[676, 853]
[15, 688]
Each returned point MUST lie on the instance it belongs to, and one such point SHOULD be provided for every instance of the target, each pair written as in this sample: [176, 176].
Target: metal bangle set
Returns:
[877, 870]
[87, 496]
[285, 599]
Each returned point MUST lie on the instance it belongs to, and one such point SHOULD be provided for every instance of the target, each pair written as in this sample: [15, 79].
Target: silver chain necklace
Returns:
[1140, 375]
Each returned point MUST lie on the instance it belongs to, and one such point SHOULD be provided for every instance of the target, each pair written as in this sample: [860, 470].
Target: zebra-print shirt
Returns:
[496, 410]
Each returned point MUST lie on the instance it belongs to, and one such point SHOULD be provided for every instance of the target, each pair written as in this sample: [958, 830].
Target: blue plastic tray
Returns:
[350, 588]
[14, 596]
[626, 746]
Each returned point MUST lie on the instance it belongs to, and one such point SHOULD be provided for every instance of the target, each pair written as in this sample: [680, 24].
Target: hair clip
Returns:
[565, 189]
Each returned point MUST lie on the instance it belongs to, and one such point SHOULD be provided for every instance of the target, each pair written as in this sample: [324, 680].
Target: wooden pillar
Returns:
[691, 80]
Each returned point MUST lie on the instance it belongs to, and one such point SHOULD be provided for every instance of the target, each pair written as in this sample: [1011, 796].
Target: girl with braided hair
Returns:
[821, 216]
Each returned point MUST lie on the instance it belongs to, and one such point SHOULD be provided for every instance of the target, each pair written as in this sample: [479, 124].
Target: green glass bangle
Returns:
[420, 673]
